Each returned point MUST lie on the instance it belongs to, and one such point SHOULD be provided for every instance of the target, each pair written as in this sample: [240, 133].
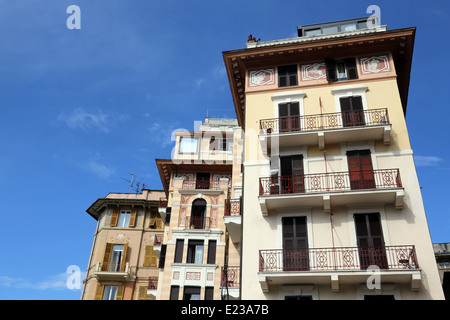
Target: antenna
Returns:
[133, 185]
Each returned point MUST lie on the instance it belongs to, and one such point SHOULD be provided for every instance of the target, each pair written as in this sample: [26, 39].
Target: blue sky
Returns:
[81, 109]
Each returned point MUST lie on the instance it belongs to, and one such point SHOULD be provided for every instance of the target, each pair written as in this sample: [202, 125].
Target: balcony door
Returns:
[295, 244]
[198, 214]
[289, 116]
[202, 180]
[292, 174]
[370, 240]
[352, 111]
[360, 170]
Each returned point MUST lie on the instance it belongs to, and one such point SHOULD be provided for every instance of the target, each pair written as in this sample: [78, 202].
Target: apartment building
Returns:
[123, 264]
[332, 207]
[200, 255]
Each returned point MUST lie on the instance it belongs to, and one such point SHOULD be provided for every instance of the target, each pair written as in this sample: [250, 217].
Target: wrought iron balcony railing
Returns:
[230, 277]
[162, 203]
[232, 207]
[338, 259]
[200, 184]
[152, 283]
[327, 182]
[324, 121]
[194, 222]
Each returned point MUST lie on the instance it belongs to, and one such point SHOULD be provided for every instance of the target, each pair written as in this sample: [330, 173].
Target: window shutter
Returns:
[211, 252]
[162, 256]
[179, 251]
[143, 293]
[99, 292]
[350, 66]
[114, 217]
[120, 291]
[331, 70]
[150, 259]
[124, 258]
[132, 222]
[107, 257]
[159, 223]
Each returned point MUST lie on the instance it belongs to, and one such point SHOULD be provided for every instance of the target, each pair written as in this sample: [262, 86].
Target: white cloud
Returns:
[427, 161]
[162, 133]
[99, 169]
[87, 120]
[54, 282]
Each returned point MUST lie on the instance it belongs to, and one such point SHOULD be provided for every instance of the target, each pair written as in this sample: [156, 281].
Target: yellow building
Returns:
[331, 202]
[124, 259]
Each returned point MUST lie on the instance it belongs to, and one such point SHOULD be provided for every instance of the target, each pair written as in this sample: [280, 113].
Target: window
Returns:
[202, 180]
[291, 174]
[209, 293]
[191, 293]
[287, 76]
[124, 218]
[360, 170]
[289, 116]
[198, 214]
[109, 293]
[352, 111]
[220, 144]
[174, 292]
[150, 258]
[370, 240]
[339, 70]
[195, 251]
[295, 244]
[114, 259]
[188, 145]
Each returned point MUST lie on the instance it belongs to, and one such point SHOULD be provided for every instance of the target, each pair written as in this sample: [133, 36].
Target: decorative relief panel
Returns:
[176, 275]
[217, 176]
[193, 275]
[313, 71]
[182, 216]
[375, 64]
[210, 276]
[262, 77]
[214, 217]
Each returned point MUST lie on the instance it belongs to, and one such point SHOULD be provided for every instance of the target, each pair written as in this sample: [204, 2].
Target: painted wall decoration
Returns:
[262, 77]
[375, 64]
[314, 71]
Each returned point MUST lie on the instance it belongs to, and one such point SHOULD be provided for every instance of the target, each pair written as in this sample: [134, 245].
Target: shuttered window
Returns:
[179, 251]
[287, 76]
[211, 252]
[338, 70]
[150, 258]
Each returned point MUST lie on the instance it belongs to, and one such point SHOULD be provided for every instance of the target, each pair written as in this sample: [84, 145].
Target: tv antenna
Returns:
[133, 184]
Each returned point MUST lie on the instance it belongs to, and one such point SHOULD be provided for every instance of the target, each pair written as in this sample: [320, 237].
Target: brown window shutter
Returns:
[114, 217]
[107, 257]
[120, 291]
[148, 256]
[99, 292]
[331, 70]
[132, 222]
[143, 293]
[124, 258]
[159, 223]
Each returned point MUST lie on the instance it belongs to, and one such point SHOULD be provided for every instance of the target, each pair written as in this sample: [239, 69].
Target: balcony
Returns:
[327, 128]
[331, 189]
[152, 287]
[229, 285]
[201, 186]
[338, 265]
[195, 222]
[233, 218]
[112, 271]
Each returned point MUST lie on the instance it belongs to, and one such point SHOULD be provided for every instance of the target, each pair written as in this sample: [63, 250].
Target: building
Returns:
[202, 182]
[328, 171]
[124, 258]
[442, 253]
[181, 242]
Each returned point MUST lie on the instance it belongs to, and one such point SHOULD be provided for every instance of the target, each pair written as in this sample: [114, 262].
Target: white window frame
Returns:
[124, 218]
[110, 293]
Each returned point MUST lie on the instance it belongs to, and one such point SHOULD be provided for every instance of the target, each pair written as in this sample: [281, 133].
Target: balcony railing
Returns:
[326, 182]
[162, 203]
[196, 222]
[152, 283]
[324, 121]
[338, 259]
[200, 184]
[232, 207]
[230, 277]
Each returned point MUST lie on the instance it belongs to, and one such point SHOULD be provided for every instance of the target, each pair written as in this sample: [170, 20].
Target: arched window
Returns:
[198, 214]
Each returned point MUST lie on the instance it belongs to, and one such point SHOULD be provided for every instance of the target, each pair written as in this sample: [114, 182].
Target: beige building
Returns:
[202, 181]
[124, 258]
[332, 207]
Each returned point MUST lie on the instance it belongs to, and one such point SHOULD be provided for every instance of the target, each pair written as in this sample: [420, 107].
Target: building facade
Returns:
[328, 170]
[127, 242]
